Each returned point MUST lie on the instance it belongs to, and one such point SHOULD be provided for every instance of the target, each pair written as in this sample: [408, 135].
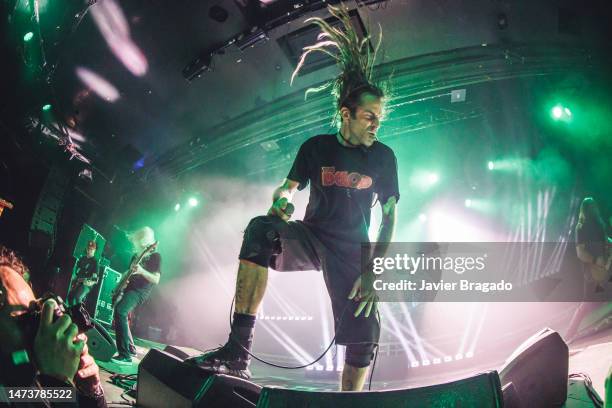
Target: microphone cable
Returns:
[261, 360]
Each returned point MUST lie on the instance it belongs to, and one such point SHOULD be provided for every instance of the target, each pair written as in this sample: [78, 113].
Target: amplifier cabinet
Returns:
[104, 304]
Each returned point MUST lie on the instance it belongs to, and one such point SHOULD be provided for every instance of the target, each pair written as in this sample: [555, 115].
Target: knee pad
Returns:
[359, 355]
[261, 241]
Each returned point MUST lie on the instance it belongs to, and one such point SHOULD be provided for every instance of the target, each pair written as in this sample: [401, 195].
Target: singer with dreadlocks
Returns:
[346, 171]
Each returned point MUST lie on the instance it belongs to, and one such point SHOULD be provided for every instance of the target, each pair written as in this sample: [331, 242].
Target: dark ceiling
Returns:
[152, 117]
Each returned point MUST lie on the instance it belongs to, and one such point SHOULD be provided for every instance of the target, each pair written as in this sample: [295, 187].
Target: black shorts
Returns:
[340, 261]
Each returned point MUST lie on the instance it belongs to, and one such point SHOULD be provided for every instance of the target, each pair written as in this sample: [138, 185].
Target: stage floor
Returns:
[592, 356]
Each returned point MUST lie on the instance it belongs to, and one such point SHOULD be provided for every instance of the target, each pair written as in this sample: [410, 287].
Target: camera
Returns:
[20, 363]
[30, 320]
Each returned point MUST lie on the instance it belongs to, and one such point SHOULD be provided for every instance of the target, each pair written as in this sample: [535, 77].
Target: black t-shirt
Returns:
[343, 181]
[87, 268]
[593, 236]
[151, 263]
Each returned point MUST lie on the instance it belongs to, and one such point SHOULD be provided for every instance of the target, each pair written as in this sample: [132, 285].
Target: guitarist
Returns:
[592, 245]
[86, 275]
[592, 249]
[144, 276]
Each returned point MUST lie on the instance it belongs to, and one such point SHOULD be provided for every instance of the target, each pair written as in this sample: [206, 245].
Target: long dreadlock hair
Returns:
[590, 217]
[354, 57]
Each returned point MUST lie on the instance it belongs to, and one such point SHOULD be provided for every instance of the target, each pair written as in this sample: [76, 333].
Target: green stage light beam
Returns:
[46, 107]
[177, 206]
[557, 112]
[491, 165]
[193, 202]
[28, 36]
[468, 202]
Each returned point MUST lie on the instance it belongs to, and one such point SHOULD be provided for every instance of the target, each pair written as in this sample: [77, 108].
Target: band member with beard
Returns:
[144, 276]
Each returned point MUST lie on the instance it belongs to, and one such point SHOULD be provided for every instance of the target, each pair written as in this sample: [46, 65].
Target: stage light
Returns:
[193, 202]
[28, 36]
[424, 180]
[468, 202]
[422, 217]
[491, 165]
[287, 317]
[177, 206]
[46, 107]
[562, 113]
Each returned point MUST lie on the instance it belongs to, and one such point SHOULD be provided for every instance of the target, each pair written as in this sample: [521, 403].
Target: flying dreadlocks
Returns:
[354, 57]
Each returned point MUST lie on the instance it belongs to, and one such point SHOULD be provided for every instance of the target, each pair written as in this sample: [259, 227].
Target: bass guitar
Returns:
[125, 279]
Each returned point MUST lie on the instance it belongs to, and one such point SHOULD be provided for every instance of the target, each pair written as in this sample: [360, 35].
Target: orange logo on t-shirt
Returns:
[330, 177]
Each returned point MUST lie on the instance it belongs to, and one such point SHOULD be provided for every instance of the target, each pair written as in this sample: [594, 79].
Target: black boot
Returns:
[233, 357]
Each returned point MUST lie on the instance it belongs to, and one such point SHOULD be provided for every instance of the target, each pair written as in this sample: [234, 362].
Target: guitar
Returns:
[83, 281]
[125, 279]
[599, 274]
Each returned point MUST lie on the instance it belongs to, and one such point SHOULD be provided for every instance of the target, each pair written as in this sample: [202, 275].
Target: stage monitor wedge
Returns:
[166, 381]
[101, 344]
[480, 391]
[538, 370]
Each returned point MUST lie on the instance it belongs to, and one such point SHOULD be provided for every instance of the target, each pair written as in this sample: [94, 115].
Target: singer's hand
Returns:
[278, 209]
[364, 293]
